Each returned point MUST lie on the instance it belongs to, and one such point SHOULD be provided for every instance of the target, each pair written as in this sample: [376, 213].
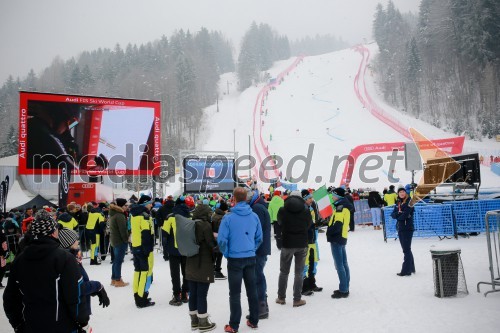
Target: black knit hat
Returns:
[43, 225]
[401, 189]
[67, 237]
[223, 206]
[305, 194]
[121, 202]
[144, 200]
[339, 192]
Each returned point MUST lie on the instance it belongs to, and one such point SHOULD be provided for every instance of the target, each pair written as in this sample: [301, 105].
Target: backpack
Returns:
[185, 234]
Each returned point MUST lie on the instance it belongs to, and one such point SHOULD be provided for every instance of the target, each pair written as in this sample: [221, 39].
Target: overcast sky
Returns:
[33, 32]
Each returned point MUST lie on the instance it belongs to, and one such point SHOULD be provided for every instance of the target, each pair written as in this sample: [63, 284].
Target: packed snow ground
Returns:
[379, 300]
[318, 99]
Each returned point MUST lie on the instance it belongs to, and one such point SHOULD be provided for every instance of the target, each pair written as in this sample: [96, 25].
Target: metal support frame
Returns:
[495, 235]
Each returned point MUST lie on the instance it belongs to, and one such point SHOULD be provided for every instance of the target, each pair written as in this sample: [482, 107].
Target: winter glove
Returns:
[103, 298]
[83, 328]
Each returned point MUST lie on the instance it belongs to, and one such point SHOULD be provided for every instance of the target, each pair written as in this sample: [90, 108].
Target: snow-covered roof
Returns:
[12, 160]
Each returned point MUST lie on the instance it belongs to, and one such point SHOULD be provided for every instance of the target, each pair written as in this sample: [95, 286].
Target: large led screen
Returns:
[92, 135]
[203, 175]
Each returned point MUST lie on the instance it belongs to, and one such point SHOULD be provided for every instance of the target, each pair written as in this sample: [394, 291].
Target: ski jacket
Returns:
[169, 227]
[403, 214]
[274, 206]
[118, 233]
[142, 229]
[240, 232]
[44, 288]
[67, 221]
[295, 220]
[265, 223]
[338, 226]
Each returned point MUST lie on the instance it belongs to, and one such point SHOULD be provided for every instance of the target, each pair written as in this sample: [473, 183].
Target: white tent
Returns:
[16, 196]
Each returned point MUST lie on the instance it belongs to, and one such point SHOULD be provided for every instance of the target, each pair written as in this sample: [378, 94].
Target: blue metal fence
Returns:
[447, 219]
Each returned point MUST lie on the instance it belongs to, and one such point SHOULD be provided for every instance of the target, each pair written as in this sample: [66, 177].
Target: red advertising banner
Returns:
[92, 135]
[451, 145]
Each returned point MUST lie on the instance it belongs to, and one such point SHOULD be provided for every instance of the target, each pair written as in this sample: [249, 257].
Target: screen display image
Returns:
[203, 175]
[92, 135]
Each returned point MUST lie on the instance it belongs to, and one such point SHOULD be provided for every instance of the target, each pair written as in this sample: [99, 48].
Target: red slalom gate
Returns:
[365, 98]
[259, 144]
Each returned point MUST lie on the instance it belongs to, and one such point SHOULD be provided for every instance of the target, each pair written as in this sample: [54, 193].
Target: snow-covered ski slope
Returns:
[327, 101]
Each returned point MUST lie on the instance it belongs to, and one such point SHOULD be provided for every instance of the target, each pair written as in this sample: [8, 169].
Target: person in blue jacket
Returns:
[403, 214]
[240, 235]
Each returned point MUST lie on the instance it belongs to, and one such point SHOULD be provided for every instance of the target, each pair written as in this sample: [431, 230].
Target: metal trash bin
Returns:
[449, 277]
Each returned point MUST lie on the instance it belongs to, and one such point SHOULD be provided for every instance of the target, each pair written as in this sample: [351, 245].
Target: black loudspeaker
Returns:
[436, 170]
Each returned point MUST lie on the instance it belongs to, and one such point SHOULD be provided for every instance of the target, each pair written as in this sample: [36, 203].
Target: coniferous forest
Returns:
[181, 70]
[443, 66]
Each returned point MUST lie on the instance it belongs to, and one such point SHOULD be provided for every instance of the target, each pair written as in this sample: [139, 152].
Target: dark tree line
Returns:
[181, 71]
[260, 48]
[444, 65]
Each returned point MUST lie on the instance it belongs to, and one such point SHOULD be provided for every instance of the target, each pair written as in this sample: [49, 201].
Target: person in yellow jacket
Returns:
[390, 197]
[336, 235]
[142, 237]
[67, 221]
[95, 223]
[177, 262]
[274, 206]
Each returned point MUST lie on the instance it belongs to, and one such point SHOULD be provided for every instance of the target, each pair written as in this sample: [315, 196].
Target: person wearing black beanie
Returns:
[403, 214]
[45, 279]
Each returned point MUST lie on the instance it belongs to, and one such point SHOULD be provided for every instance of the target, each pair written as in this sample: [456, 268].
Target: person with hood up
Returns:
[216, 220]
[177, 262]
[200, 270]
[45, 283]
[142, 249]
[295, 220]
[118, 236]
[68, 240]
[403, 214]
[264, 250]
[240, 235]
[336, 235]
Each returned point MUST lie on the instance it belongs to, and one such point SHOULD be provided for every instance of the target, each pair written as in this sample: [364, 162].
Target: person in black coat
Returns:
[161, 215]
[42, 293]
[375, 203]
[295, 220]
[403, 214]
[352, 209]
[256, 203]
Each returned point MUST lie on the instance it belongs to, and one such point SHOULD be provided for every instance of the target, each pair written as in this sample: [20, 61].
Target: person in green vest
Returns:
[276, 203]
[390, 197]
